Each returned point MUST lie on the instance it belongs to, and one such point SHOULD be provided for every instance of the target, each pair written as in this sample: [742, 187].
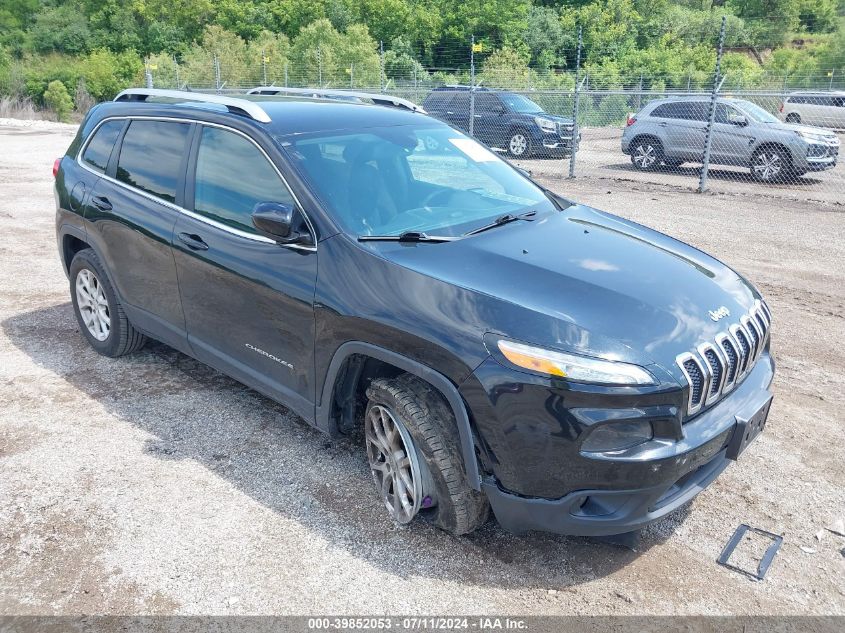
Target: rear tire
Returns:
[646, 153]
[793, 117]
[101, 318]
[424, 420]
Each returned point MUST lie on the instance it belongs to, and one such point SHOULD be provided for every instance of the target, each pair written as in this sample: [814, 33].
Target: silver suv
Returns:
[673, 131]
[825, 109]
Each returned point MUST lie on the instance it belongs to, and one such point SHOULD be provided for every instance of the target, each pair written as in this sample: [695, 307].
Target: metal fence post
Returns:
[176, 71]
[148, 74]
[381, 77]
[575, 102]
[639, 101]
[472, 87]
[708, 139]
[216, 73]
[286, 74]
[319, 67]
[264, 66]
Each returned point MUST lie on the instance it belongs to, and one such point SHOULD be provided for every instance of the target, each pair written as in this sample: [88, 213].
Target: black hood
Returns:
[588, 282]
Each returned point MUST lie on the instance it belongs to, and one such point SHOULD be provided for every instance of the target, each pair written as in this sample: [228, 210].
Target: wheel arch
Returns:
[646, 135]
[772, 145]
[347, 367]
[73, 240]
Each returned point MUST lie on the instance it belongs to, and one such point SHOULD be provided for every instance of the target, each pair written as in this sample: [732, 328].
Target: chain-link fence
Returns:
[703, 131]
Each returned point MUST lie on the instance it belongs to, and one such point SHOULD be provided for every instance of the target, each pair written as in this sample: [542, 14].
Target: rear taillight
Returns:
[56, 164]
[631, 120]
[780, 109]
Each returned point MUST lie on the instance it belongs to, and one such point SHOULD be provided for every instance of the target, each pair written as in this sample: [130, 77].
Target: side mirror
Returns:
[498, 109]
[275, 220]
[740, 121]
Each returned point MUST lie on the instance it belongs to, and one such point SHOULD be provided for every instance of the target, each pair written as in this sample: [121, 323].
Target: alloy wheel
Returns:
[394, 464]
[767, 165]
[93, 305]
[518, 144]
[645, 155]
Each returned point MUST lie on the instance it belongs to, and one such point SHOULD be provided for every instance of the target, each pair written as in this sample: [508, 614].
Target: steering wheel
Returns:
[433, 195]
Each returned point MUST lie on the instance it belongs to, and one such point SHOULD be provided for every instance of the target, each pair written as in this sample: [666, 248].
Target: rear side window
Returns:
[487, 103]
[687, 110]
[232, 177]
[460, 103]
[437, 100]
[151, 155]
[99, 148]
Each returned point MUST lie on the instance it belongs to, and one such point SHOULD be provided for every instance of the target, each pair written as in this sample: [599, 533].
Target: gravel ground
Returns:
[153, 484]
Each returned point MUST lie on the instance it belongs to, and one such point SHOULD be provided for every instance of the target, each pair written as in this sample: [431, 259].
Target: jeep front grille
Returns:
[714, 369]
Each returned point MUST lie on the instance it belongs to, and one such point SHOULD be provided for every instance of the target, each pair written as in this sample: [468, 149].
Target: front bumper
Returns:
[600, 512]
[603, 494]
[554, 144]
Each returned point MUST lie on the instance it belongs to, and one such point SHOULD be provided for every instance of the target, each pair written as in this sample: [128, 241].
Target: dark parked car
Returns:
[496, 344]
[504, 120]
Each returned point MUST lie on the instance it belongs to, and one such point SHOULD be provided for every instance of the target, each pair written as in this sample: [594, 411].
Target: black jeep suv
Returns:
[505, 120]
[374, 269]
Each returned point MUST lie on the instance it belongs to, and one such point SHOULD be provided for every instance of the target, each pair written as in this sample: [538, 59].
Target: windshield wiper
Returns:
[502, 220]
[407, 236]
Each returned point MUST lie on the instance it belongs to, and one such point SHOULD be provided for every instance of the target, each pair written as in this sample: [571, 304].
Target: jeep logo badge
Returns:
[719, 313]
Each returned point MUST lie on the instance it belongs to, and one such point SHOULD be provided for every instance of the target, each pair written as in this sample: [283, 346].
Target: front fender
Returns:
[431, 376]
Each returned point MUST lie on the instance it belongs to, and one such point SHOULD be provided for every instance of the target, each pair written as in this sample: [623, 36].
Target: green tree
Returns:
[545, 37]
[768, 21]
[15, 16]
[56, 98]
[321, 55]
[271, 50]
[231, 51]
[115, 25]
[818, 16]
[62, 29]
[400, 64]
[507, 68]
[106, 73]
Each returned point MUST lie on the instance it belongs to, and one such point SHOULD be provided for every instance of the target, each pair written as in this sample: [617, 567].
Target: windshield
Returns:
[518, 103]
[431, 179]
[757, 113]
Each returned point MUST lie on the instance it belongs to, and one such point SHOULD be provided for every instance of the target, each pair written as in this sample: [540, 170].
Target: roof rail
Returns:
[464, 87]
[235, 105]
[324, 93]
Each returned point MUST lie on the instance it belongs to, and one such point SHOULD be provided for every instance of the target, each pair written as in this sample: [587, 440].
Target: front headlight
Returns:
[811, 136]
[573, 367]
[547, 125]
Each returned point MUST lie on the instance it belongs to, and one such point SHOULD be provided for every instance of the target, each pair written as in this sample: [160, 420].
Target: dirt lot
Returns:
[153, 484]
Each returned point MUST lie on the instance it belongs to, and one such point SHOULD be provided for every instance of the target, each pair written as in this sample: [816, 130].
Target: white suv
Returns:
[824, 109]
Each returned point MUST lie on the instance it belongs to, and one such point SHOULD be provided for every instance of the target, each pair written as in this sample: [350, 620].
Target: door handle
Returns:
[102, 203]
[663, 124]
[194, 242]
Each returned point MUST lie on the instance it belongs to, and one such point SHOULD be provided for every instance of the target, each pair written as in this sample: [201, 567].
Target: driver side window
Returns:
[726, 113]
[232, 176]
